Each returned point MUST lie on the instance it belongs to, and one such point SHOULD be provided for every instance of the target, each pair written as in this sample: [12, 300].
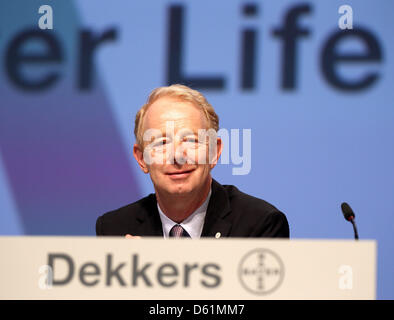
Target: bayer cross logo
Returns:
[261, 271]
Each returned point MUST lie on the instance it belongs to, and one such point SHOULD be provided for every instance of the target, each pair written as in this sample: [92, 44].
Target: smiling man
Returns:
[177, 144]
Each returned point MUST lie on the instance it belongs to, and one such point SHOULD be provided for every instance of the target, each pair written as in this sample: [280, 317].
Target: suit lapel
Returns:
[216, 219]
[149, 218]
[217, 211]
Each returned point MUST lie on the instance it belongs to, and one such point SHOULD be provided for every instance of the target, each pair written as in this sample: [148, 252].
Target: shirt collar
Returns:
[193, 224]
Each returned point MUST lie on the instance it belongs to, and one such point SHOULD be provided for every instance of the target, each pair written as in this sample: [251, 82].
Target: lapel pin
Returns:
[218, 235]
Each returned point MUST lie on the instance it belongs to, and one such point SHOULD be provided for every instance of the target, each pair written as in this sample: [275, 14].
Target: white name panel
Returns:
[152, 268]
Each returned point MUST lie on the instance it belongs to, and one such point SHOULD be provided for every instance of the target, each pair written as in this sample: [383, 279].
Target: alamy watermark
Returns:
[346, 20]
[45, 281]
[199, 147]
[345, 281]
[46, 20]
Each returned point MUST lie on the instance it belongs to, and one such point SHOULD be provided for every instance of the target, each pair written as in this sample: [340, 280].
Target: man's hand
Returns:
[129, 236]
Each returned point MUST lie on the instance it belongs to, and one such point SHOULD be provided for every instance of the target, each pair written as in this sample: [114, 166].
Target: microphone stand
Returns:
[354, 228]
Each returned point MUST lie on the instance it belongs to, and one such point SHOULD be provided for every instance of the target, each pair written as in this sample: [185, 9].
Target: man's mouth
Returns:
[180, 174]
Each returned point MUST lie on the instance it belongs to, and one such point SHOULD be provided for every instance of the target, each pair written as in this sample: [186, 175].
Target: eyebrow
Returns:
[183, 134]
[189, 133]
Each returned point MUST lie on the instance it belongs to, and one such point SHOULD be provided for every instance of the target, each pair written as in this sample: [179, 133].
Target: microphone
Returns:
[349, 216]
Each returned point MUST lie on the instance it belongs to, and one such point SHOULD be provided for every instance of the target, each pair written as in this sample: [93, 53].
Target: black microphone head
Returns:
[347, 211]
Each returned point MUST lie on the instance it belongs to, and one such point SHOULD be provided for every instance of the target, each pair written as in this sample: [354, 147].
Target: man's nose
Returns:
[180, 154]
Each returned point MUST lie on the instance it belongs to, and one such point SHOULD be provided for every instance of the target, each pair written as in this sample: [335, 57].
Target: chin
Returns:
[181, 188]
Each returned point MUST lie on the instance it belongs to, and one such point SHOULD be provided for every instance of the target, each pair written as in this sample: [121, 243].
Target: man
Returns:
[176, 143]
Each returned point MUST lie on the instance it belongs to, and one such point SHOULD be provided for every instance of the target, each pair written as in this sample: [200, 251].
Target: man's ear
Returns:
[219, 148]
[138, 154]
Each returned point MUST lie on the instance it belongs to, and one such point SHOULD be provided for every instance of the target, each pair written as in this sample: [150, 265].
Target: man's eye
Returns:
[160, 143]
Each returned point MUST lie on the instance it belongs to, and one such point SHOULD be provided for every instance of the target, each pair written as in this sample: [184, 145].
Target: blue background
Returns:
[66, 153]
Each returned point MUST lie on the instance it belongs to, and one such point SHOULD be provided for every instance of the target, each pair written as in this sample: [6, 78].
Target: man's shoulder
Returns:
[129, 210]
[254, 217]
[247, 202]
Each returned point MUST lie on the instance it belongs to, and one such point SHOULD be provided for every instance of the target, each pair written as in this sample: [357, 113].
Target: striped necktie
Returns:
[178, 232]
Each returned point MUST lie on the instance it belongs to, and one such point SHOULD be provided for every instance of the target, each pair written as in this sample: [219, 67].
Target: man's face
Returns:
[177, 160]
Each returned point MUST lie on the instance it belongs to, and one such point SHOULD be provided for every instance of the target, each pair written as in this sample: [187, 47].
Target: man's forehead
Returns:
[178, 111]
[172, 104]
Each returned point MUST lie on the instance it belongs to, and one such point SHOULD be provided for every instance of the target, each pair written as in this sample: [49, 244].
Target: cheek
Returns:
[155, 172]
[198, 155]
[156, 157]
[201, 174]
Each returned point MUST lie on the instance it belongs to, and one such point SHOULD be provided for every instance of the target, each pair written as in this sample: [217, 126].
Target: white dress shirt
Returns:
[192, 224]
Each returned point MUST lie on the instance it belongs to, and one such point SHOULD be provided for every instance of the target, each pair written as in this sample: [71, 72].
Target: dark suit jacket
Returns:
[230, 212]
